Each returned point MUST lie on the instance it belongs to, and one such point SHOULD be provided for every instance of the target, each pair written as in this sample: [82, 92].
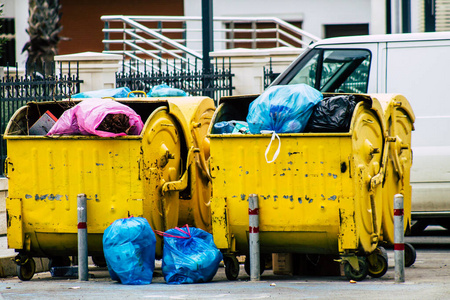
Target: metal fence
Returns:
[188, 77]
[269, 75]
[16, 90]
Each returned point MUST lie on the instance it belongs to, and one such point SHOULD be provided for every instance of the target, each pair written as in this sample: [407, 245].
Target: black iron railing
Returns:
[269, 75]
[16, 91]
[188, 77]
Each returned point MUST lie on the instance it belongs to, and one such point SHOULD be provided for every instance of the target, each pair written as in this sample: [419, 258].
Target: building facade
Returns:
[82, 27]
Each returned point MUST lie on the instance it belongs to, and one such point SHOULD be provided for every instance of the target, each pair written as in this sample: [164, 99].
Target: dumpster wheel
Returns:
[353, 274]
[231, 267]
[410, 255]
[26, 269]
[377, 263]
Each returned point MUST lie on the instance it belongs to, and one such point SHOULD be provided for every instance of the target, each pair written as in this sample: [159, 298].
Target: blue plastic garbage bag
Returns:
[129, 247]
[283, 108]
[163, 90]
[121, 92]
[189, 256]
[232, 126]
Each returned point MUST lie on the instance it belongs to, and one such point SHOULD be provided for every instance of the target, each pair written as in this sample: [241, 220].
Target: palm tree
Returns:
[44, 27]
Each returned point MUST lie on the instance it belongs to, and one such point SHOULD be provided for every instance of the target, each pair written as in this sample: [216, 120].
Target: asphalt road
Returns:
[428, 278]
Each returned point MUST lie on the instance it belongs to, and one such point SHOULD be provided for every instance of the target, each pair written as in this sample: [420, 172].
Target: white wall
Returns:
[313, 13]
[3, 195]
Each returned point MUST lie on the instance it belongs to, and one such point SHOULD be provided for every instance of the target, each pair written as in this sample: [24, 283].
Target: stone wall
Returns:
[3, 195]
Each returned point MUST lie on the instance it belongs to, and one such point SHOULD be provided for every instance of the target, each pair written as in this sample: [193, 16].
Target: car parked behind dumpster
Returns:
[414, 65]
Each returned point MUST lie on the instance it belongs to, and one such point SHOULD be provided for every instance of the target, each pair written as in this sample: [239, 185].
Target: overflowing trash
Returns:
[189, 256]
[101, 117]
[129, 249]
[332, 114]
[163, 90]
[283, 109]
[233, 126]
[121, 92]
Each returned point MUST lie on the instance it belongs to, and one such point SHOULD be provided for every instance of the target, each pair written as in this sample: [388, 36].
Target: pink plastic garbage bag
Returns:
[85, 117]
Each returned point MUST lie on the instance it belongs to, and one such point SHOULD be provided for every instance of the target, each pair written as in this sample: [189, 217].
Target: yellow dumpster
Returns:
[158, 175]
[322, 195]
[399, 122]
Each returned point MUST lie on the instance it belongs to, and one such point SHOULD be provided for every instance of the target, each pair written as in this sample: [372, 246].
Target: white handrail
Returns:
[151, 40]
[161, 37]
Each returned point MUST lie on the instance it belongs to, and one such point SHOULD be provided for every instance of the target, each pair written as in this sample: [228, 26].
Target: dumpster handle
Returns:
[274, 135]
[398, 148]
[136, 92]
[204, 166]
[201, 161]
[379, 178]
[182, 183]
[6, 167]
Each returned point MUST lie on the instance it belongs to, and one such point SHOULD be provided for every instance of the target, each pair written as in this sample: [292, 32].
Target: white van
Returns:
[415, 65]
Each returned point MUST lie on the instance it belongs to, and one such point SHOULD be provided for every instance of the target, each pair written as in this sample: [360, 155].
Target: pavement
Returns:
[427, 279]
[8, 267]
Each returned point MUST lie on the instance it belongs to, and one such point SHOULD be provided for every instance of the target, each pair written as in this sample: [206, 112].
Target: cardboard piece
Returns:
[282, 264]
[43, 124]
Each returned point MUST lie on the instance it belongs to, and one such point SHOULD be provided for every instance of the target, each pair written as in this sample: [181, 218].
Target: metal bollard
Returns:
[82, 238]
[253, 236]
[399, 245]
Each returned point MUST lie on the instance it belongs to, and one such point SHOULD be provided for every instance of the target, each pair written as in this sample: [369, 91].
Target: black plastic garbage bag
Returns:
[332, 114]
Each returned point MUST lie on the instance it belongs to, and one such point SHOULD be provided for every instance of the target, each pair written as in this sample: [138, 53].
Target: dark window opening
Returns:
[346, 30]
[8, 49]
[255, 35]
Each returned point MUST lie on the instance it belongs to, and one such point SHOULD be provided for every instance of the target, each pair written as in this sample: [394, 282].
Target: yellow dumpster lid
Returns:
[249, 97]
[387, 100]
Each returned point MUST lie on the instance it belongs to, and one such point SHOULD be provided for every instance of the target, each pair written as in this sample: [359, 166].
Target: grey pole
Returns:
[253, 235]
[82, 238]
[399, 245]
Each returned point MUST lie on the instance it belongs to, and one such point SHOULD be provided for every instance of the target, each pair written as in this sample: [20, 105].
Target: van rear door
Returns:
[419, 71]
